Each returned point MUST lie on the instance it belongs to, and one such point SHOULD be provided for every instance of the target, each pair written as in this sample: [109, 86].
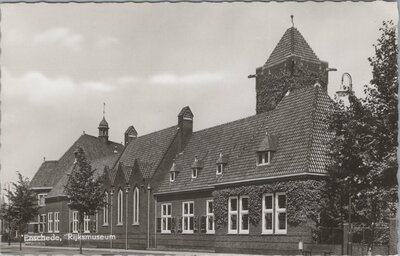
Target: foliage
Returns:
[362, 185]
[303, 201]
[83, 189]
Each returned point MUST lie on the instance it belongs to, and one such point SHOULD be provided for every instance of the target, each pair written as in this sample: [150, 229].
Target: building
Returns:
[250, 185]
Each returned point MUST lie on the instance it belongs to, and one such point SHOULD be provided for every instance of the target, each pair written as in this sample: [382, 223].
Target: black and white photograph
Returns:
[231, 128]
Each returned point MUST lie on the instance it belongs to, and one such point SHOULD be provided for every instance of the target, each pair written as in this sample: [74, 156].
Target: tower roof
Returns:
[292, 43]
[103, 123]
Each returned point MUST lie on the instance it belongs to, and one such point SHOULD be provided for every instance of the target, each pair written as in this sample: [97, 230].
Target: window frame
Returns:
[243, 212]
[231, 212]
[105, 210]
[167, 216]
[195, 171]
[56, 222]
[75, 221]
[136, 205]
[210, 215]
[120, 207]
[86, 221]
[50, 222]
[267, 211]
[189, 217]
[280, 210]
[172, 176]
[42, 195]
[265, 157]
[220, 169]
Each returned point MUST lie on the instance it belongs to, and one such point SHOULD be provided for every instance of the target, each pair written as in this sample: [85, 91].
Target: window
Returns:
[50, 222]
[172, 176]
[120, 207]
[42, 222]
[56, 222]
[188, 217]
[86, 220]
[268, 211]
[194, 173]
[238, 220]
[136, 206]
[220, 168]
[105, 210]
[274, 214]
[41, 199]
[210, 217]
[166, 218]
[75, 222]
[281, 213]
[263, 158]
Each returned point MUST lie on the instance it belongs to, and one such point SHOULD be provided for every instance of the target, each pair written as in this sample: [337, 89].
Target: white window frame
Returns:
[172, 176]
[136, 207]
[210, 214]
[231, 213]
[220, 169]
[40, 197]
[105, 210]
[195, 172]
[268, 211]
[165, 227]
[42, 223]
[86, 221]
[243, 212]
[50, 222]
[266, 158]
[188, 217]
[75, 221]
[280, 210]
[120, 207]
[56, 222]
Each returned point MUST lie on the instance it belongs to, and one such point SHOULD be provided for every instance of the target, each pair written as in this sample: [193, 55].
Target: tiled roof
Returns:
[147, 151]
[94, 148]
[298, 123]
[291, 43]
[42, 177]
[103, 123]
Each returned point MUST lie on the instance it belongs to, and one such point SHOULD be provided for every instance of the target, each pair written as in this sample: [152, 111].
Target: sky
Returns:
[60, 62]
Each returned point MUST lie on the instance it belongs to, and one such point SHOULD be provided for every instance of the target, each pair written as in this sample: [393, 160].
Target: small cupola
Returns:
[103, 127]
[267, 146]
[130, 134]
[222, 161]
[173, 172]
[196, 167]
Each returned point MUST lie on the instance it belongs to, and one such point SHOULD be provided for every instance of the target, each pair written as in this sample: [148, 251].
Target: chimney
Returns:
[130, 134]
[185, 125]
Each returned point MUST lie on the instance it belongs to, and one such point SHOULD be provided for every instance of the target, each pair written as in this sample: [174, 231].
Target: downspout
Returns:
[111, 216]
[148, 215]
[155, 222]
[126, 217]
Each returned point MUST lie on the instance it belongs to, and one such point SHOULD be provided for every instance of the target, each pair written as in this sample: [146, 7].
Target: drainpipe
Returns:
[155, 222]
[148, 215]
[126, 216]
[111, 215]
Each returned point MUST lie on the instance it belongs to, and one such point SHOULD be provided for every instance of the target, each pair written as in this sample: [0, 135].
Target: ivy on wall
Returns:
[303, 201]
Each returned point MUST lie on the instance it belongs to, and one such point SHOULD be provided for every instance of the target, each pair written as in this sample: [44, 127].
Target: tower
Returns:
[291, 64]
[103, 127]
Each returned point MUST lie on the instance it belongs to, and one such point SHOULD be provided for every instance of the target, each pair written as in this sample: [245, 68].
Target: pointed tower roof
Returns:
[292, 43]
[103, 123]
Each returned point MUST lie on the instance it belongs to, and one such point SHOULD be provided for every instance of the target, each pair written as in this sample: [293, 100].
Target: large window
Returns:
[136, 206]
[50, 222]
[120, 207]
[166, 218]
[105, 210]
[42, 222]
[274, 214]
[86, 220]
[56, 222]
[210, 217]
[238, 221]
[188, 217]
[75, 222]
[41, 199]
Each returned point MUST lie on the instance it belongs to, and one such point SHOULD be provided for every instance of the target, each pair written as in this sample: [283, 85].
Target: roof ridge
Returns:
[151, 133]
[96, 137]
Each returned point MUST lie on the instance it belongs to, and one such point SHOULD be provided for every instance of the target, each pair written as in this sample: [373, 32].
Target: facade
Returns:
[250, 185]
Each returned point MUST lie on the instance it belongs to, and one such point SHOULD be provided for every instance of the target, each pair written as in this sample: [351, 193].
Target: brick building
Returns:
[227, 188]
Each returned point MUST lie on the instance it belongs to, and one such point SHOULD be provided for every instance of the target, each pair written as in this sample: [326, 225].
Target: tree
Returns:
[361, 186]
[22, 205]
[7, 214]
[85, 192]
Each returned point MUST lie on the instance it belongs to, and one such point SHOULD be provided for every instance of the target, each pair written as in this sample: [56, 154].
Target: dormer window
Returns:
[221, 162]
[268, 145]
[172, 176]
[196, 167]
[194, 173]
[263, 158]
[173, 171]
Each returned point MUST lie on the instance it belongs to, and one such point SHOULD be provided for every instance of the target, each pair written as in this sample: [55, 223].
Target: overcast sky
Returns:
[60, 62]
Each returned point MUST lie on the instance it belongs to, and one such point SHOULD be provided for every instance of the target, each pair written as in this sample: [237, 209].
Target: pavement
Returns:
[30, 250]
